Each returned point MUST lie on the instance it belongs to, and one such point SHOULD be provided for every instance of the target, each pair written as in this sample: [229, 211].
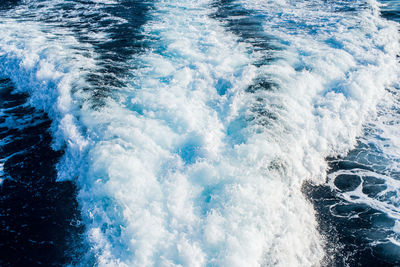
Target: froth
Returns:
[185, 166]
[191, 180]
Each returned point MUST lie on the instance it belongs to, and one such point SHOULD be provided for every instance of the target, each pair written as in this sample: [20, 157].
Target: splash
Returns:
[198, 158]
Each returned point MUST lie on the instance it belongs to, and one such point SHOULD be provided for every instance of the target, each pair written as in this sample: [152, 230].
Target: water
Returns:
[206, 133]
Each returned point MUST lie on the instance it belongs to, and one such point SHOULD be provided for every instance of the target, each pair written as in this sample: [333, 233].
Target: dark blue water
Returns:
[37, 213]
[353, 229]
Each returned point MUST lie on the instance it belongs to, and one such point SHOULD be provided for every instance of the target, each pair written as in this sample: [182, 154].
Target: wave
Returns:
[199, 156]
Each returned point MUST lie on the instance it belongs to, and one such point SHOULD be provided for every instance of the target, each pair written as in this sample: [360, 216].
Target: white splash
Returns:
[182, 167]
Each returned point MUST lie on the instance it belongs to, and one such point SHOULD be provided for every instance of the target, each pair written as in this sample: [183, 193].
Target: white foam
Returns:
[379, 150]
[379, 202]
[174, 171]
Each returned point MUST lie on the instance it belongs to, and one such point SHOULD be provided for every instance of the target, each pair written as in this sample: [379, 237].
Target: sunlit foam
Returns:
[183, 166]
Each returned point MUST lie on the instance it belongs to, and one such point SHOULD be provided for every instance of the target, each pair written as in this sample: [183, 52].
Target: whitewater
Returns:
[192, 148]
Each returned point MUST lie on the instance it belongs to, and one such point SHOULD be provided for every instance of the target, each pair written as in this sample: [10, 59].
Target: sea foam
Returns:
[184, 166]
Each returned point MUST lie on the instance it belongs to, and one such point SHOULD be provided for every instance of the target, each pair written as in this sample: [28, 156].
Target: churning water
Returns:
[199, 133]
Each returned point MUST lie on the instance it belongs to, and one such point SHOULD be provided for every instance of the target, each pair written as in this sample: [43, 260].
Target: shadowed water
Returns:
[39, 217]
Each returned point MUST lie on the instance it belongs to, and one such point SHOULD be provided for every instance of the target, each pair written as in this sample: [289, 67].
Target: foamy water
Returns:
[183, 164]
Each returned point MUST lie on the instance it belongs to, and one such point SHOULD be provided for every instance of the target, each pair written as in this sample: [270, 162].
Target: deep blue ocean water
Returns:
[199, 133]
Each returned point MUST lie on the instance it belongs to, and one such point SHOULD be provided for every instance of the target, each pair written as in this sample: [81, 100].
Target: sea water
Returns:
[200, 133]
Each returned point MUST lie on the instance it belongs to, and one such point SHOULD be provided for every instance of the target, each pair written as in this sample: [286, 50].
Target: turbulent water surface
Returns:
[199, 133]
